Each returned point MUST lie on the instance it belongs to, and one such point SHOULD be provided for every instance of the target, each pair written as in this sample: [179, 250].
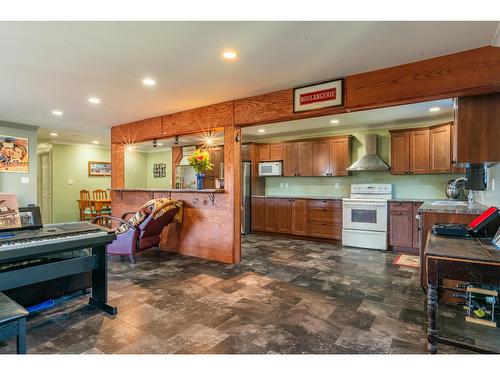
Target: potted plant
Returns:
[200, 161]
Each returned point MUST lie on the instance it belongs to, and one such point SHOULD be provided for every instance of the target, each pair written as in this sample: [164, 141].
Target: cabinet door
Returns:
[276, 152]
[290, 159]
[299, 219]
[340, 156]
[264, 152]
[245, 153]
[258, 213]
[284, 207]
[400, 152]
[305, 155]
[321, 157]
[419, 151]
[401, 228]
[272, 214]
[440, 149]
[416, 231]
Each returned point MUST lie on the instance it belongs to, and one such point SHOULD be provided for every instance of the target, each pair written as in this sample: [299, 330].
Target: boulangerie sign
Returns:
[321, 95]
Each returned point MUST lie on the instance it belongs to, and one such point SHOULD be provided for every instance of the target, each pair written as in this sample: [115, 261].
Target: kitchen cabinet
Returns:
[302, 217]
[477, 122]
[245, 153]
[290, 159]
[306, 162]
[340, 156]
[271, 152]
[422, 150]
[440, 148]
[258, 214]
[321, 157]
[419, 154]
[404, 234]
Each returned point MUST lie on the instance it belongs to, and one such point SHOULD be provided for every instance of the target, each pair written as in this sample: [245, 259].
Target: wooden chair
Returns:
[87, 212]
[99, 195]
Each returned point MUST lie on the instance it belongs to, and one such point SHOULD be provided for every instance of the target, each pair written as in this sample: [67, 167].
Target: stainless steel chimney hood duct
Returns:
[370, 161]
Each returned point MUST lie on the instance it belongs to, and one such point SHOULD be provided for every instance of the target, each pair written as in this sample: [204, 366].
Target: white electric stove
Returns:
[365, 216]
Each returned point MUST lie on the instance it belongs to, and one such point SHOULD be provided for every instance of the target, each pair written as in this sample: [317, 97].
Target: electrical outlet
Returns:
[70, 181]
[337, 186]
[282, 185]
[25, 180]
[286, 185]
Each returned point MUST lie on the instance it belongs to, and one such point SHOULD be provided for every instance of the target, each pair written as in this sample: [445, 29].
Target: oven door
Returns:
[365, 215]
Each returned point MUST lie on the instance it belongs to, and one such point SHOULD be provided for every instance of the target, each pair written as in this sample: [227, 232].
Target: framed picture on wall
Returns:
[99, 169]
[320, 95]
[14, 155]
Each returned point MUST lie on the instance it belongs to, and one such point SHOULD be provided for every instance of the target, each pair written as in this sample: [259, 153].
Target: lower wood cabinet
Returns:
[302, 217]
[404, 231]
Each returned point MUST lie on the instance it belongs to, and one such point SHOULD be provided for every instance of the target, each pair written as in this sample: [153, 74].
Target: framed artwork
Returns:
[14, 154]
[319, 95]
[99, 169]
[159, 170]
[9, 212]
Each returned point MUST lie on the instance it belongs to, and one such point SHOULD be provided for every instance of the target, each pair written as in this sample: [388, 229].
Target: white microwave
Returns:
[270, 168]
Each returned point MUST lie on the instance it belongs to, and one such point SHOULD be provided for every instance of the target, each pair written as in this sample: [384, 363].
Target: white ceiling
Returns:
[410, 115]
[58, 65]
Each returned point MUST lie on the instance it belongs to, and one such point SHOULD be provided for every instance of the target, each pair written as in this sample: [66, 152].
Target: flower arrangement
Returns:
[200, 160]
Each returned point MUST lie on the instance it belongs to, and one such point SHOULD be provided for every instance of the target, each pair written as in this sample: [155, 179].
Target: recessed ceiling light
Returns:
[434, 109]
[56, 112]
[130, 148]
[149, 82]
[95, 142]
[160, 144]
[334, 121]
[94, 100]
[54, 134]
[229, 55]
[261, 130]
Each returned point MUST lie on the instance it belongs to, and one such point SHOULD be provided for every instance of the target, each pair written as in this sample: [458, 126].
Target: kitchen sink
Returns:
[449, 203]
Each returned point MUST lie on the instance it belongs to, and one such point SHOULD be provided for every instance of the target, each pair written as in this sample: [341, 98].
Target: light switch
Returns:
[337, 186]
[70, 181]
[25, 180]
[286, 185]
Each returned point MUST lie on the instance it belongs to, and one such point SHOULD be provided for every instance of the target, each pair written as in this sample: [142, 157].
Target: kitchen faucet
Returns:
[470, 196]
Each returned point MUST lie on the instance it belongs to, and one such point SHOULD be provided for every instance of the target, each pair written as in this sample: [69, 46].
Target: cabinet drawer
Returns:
[400, 206]
[326, 203]
[324, 230]
[325, 215]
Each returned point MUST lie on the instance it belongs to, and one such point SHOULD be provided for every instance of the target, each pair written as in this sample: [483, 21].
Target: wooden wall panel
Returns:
[273, 107]
[458, 74]
[117, 166]
[198, 120]
[137, 131]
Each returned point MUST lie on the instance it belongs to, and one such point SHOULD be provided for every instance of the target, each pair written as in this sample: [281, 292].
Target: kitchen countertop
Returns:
[410, 200]
[463, 248]
[474, 209]
[298, 197]
[173, 190]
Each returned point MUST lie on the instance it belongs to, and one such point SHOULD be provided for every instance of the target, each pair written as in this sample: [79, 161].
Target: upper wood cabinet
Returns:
[306, 161]
[440, 148]
[400, 152]
[321, 157]
[290, 159]
[245, 153]
[422, 150]
[419, 154]
[271, 152]
[340, 156]
[477, 126]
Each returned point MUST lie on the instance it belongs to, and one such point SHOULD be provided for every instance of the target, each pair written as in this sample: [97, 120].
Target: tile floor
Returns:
[287, 296]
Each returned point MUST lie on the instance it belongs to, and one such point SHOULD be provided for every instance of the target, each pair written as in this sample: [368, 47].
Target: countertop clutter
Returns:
[452, 207]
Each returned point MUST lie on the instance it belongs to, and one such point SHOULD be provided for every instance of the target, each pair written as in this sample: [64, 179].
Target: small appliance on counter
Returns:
[270, 168]
[455, 189]
[482, 226]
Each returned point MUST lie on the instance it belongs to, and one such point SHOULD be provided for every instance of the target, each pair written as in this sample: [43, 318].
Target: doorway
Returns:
[45, 185]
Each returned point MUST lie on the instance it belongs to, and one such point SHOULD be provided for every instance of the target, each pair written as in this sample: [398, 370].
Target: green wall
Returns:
[139, 169]
[11, 182]
[71, 162]
[420, 187]
[491, 197]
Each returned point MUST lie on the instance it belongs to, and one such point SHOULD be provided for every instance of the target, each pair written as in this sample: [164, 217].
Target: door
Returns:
[45, 187]
[364, 215]
[419, 151]
[290, 159]
[400, 152]
[340, 156]
[284, 207]
[272, 214]
[321, 157]
[299, 219]
[259, 214]
[305, 154]
[401, 228]
[440, 149]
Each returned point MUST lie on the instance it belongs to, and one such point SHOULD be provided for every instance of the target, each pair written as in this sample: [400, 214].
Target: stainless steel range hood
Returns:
[370, 161]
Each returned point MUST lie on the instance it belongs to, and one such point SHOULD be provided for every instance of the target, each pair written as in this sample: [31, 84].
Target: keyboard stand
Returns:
[97, 263]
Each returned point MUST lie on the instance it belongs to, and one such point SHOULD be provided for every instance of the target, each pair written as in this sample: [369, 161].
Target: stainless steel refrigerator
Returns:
[246, 175]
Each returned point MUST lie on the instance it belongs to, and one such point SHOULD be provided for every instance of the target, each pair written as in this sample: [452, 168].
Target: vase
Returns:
[199, 180]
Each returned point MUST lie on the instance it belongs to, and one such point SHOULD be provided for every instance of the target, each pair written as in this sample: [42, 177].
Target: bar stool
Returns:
[13, 322]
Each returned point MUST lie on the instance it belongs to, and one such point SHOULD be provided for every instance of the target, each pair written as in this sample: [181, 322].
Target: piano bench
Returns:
[13, 322]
